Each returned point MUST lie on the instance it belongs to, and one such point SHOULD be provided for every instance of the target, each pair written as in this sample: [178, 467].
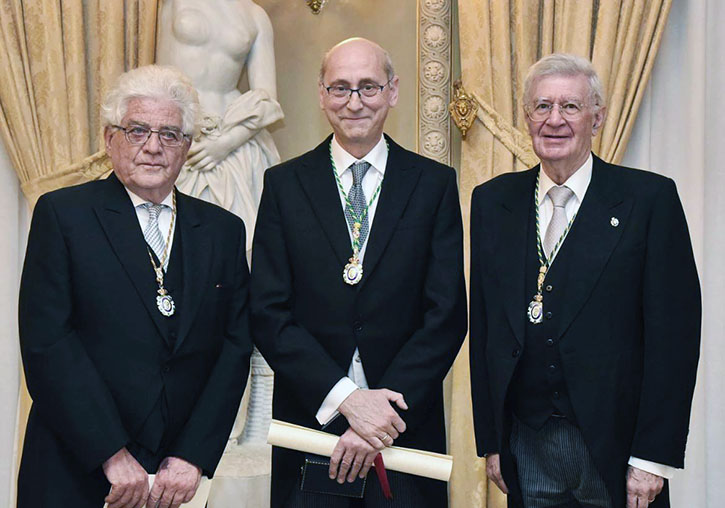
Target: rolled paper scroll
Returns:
[404, 460]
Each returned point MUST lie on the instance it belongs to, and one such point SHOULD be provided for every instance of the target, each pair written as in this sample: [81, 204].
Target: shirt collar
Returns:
[578, 182]
[138, 201]
[377, 157]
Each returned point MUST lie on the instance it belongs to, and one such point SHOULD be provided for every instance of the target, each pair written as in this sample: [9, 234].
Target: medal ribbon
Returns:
[382, 476]
[158, 270]
[358, 220]
[544, 262]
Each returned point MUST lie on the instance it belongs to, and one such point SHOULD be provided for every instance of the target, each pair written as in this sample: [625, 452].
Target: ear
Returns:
[393, 95]
[107, 133]
[599, 117]
[322, 94]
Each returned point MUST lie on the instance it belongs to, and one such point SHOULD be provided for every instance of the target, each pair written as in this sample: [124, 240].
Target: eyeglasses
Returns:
[367, 91]
[138, 135]
[541, 110]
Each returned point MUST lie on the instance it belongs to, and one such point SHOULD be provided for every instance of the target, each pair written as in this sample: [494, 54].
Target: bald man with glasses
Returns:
[358, 298]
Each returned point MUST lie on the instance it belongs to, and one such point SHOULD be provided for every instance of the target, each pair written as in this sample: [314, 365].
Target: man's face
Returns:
[561, 139]
[148, 170]
[357, 121]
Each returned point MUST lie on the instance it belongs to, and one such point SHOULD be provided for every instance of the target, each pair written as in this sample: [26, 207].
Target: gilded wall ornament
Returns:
[463, 108]
[316, 5]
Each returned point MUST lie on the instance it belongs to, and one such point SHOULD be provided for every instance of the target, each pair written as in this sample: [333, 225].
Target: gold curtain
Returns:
[499, 41]
[58, 59]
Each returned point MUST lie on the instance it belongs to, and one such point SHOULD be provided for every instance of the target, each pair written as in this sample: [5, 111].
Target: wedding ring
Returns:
[385, 436]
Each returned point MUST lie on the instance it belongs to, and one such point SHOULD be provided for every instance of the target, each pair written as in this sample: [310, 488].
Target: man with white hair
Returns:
[133, 317]
[585, 313]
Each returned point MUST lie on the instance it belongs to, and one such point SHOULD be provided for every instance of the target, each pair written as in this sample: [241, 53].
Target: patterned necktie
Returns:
[152, 233]
[558, 223]
[357, 200]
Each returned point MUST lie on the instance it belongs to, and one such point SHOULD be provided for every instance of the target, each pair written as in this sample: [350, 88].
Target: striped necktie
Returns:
[152, 233]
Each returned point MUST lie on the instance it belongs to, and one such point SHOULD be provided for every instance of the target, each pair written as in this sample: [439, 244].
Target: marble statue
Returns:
[213, 42]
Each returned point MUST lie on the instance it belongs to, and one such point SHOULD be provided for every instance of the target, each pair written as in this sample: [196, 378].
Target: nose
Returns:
[354, 102]
[555, 117]
[152, 144]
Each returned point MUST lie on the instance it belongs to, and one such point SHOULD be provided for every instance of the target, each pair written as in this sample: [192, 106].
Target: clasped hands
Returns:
[374, 424]
[176, 482]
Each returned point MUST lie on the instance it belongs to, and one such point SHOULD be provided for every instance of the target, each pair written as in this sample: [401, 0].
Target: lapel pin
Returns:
[614, 222]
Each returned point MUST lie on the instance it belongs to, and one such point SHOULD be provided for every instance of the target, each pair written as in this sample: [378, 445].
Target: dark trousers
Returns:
[555, 468]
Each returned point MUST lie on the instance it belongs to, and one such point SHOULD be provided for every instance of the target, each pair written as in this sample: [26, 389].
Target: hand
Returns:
[207, 152]
[370, 414]
[493, 471]
[642, 487]
[351, 457]
[176, 482]
[129, 481]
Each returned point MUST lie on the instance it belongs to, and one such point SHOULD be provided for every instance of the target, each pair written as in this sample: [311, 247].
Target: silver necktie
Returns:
[557, 225]
[357, 200]
[152, 233]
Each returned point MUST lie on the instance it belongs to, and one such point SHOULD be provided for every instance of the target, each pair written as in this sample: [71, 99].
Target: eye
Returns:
[368, 87]
[137, 131]
[170, 135]
[571, 107]
[542, 107]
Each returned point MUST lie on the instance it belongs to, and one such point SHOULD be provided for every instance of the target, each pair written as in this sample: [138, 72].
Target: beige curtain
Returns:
[58, 59]
[499, 41]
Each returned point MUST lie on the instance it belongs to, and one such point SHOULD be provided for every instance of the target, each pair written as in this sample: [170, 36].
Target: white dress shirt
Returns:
[378, 159]
[579, 183]
[142, 214]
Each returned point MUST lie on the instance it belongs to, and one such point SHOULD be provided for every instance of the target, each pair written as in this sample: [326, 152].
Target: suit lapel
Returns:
[514, 225]
[197, 252]
[318, 182]
[118, 219]
[594, 235]
[401, 177]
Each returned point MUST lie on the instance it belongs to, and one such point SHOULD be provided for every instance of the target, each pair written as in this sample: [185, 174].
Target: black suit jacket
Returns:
[628, 327]
[407, 316]
[96, 351]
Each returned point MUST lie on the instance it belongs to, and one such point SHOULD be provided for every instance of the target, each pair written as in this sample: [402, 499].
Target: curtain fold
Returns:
[499, 41]
[59, 58]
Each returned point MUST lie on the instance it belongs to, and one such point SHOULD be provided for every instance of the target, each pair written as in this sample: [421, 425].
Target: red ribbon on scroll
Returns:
[382, 476]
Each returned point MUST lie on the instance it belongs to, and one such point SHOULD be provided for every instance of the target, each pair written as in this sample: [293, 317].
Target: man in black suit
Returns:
[133, 318]
[358, 299]
[585, 313]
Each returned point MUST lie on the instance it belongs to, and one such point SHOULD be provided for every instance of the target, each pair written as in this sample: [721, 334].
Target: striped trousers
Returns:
[555, 468]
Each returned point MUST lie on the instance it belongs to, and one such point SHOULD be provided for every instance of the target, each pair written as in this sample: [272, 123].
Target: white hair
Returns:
[564, 64]
[154, 82]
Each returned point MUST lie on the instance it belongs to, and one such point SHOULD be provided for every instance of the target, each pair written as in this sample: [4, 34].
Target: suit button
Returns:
[552, 368]
[548, 315]
[549, 288]
[549, 342]
[516, 352]
[556, 395]
[166, 368]
[357, 326]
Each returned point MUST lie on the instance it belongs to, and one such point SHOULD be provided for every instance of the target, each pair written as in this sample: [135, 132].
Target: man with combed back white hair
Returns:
[133, 318]
[585, 313]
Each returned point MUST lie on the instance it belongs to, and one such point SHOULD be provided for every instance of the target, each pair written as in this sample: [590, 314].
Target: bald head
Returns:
[358, 45]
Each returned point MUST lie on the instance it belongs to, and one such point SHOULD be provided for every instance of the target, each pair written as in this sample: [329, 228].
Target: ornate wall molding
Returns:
[434, 79]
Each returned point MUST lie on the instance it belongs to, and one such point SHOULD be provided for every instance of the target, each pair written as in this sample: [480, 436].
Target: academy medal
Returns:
[535, 311]
[164, 302]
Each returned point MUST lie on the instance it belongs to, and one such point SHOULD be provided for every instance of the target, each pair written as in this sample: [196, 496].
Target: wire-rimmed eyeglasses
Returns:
[540, 110]
[367, 91]
[139, 134]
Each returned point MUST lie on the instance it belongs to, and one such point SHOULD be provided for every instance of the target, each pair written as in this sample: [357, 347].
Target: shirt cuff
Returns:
[653, 467]
[328, 410]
